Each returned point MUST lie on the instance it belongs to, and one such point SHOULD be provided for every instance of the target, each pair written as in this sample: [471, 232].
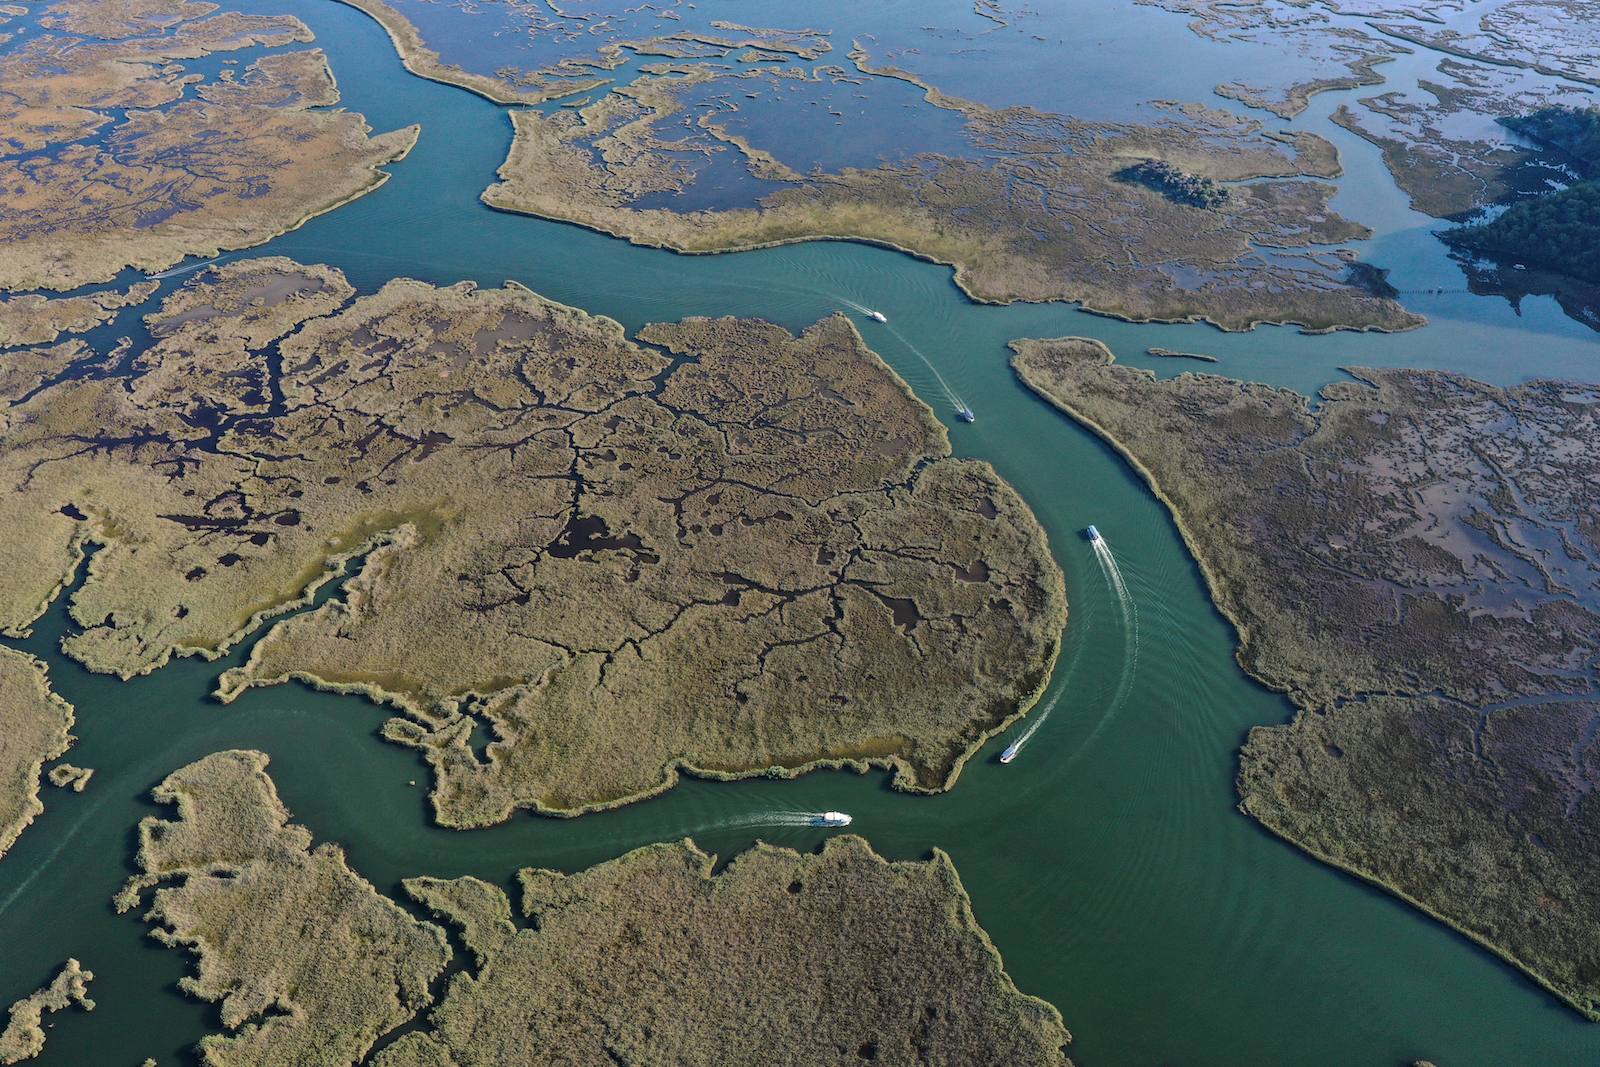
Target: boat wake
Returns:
[782, 818]
[175, 271]
[1130, 658]
[957, 405]
[1015, 748]
[1130, 643]
[1113, 573]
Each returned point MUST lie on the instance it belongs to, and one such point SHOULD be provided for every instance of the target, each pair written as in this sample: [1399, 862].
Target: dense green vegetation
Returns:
[1575, 130]
[1185, 188]
[1560, 231]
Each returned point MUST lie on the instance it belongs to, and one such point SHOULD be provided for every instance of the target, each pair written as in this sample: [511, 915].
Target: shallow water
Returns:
[1108, 862]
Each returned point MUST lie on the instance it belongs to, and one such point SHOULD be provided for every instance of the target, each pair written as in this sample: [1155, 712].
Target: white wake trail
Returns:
[769, 818]
[1113, 573]
[175, 271]
[951, 396]
[1027, 735]
[1130, 644]
[1130, 655]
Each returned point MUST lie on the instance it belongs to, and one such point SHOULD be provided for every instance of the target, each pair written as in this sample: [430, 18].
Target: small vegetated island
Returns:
[112, 155]
[1034, 207]
[1416, 562]
[724, 548]
[650, 958]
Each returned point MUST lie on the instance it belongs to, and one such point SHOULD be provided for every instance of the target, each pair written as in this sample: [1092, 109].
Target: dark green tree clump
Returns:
[1180, 185]
[1574, 130]
[1560, 232]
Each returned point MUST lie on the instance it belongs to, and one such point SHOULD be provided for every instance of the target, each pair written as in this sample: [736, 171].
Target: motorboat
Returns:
[1092, 534]
[1011, 752]
[966, 415]
[831, 818]
[877, 316]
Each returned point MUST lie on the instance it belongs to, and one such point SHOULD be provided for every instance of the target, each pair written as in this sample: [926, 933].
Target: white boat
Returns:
[1092, 534]
[831, 818]
[1011, 752]
[877, 316]
[966, 415]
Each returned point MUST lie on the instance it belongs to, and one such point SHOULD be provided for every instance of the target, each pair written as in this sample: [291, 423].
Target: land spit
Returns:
[1416, 562]
[726, 549]
[24, 1037]
[34, 729]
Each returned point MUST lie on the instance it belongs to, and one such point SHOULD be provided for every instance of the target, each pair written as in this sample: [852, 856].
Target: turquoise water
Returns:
[1107, 862]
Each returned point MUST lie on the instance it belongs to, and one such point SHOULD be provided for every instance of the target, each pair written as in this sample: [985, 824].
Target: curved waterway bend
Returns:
[1125, 888]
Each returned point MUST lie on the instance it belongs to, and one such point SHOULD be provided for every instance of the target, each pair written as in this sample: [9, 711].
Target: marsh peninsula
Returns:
[556, 533]
[654, 957]
[24, 1037]
[1044, 213]
[310, 963]
[34, 729]
[1416, 562]
[1025, 205]
[108, 162]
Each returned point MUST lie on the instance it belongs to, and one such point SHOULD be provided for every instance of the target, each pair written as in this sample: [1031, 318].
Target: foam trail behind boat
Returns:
[1027, 734]
[1113, 573]
[956, 403]
[175, 271]
[768, 818]
[1130, 642]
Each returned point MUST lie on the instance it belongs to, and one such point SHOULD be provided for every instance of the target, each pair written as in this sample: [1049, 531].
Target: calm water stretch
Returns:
[1108, 862]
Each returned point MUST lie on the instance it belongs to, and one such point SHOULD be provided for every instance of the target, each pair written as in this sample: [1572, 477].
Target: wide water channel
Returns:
[1108, 862]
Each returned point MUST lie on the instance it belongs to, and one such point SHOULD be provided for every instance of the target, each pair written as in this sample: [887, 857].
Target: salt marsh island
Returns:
[554, 533]
[113, 155]
[651, 957]
[1416, 562]
[38, 320]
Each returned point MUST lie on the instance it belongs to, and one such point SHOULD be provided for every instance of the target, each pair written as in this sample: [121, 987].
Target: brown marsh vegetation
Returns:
[561, 536]
[1416, 562]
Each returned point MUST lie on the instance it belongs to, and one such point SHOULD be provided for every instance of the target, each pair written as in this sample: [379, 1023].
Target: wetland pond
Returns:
[1108, 862]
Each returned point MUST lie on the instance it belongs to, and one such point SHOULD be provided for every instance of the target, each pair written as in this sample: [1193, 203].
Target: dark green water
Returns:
[1108, 862]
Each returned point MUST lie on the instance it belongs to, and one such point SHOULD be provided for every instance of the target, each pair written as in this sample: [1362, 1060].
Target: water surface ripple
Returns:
[1108, 862]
